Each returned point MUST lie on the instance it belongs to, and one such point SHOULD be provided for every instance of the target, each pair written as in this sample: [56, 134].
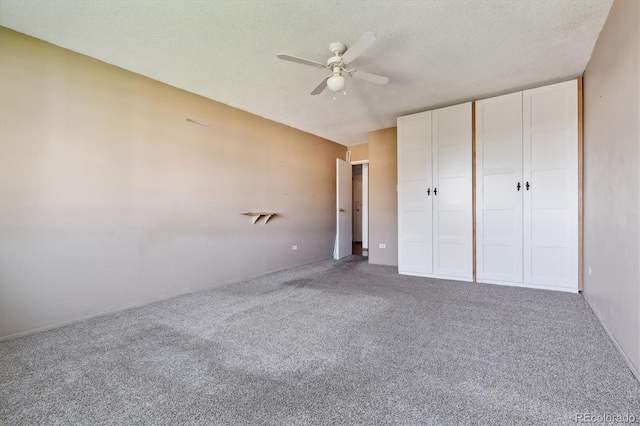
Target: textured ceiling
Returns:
[435, 53]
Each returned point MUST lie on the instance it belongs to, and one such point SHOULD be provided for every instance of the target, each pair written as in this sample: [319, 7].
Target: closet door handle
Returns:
[428, 191]
[518, 186]
[527, 186]
[435, 191]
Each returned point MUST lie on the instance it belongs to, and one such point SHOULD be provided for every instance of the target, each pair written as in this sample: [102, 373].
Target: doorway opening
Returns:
[352, 209]
[360, 209]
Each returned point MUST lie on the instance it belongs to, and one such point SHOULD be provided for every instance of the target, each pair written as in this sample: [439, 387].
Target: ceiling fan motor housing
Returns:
[334, 61]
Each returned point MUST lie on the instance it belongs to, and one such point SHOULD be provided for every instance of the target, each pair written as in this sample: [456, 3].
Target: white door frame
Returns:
[365, 202]
[365, 206]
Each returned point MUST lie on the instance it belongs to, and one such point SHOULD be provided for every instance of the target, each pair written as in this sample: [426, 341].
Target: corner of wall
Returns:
[612, 180]
[383, 197]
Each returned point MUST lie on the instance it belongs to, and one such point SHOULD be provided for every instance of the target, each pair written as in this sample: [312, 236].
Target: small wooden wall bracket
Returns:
[257, 215]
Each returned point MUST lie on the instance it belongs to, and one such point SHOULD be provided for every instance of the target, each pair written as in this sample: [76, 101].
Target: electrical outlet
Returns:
[589, 270]
[294, 247]
[382, 245]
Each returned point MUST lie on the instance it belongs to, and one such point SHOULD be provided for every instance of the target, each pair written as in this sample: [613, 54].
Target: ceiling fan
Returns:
[338, 65]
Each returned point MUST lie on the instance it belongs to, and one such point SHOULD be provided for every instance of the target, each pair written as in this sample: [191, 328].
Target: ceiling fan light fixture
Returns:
[336, 83]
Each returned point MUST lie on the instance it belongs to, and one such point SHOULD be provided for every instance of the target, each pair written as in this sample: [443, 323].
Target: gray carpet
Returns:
[329, 343]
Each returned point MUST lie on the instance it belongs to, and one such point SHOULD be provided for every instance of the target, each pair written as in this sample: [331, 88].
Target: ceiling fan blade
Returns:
[358, 47]
[301, 61]
[320, 87]
[371, 78]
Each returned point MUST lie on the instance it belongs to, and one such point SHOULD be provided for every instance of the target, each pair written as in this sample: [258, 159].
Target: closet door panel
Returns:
[550, 149]
[498, 200]
[414, 183]
[416, 165]
[452, 205]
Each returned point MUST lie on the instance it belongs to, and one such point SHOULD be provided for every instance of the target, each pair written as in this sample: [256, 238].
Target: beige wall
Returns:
[359, 152]
[383, 197]
[109, 198]
[612, 180]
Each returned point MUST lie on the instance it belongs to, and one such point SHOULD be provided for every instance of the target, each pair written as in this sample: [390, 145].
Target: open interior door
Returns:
[343, 209]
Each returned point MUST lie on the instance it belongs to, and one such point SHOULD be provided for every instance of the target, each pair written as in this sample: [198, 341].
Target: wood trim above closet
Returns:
[473, 183]
[580, 189]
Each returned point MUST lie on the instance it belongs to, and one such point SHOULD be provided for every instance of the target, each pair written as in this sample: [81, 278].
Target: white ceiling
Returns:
[436, 53]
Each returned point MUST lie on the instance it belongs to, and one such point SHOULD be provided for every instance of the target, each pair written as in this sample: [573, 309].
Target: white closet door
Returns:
[414, 185]
[499, 189]
[550, 150]
[452, 203]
